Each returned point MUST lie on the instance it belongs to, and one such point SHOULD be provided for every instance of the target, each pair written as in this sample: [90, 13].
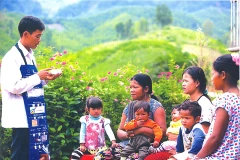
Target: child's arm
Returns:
[110, 133]
[219, 130]
[179, 146]
[157, 134]
[131, 125]
[82, 134]
[198, 138]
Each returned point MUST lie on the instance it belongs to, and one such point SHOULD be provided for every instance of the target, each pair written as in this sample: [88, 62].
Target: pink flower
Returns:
[88, 88]
[55, 55]
[235, 58]
[168, 73]
[115, 100]
[57, 62]
[65, 52]
[102, 79]
[177, 66]
[52, 58]
[60, 54]
[147, 70]
[109, 72]
[180, 81]
[64, 63]
[115, 74]
[160, 75]
[72, 78]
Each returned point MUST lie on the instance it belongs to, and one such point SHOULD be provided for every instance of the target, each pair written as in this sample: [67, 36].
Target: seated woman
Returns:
[141, 89]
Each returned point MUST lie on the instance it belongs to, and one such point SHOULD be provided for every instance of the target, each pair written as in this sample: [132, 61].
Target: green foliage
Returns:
[65, 97]
[163, 15]
[5, 139]
[169, 88]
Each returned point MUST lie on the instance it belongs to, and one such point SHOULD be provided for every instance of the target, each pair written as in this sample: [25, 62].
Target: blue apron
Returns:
[36, 114]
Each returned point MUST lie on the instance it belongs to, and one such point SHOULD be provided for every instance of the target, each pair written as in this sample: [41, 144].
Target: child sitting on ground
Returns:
[93, 127]
[141, 143]
[172, 131]
[191, 134]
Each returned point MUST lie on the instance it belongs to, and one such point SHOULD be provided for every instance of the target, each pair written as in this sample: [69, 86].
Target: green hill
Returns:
[152, 51]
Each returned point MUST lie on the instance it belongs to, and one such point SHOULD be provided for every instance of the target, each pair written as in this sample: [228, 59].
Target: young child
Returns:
[223, 139]
[140, 143]
[191, 134]
[173, 129]
[93, 127]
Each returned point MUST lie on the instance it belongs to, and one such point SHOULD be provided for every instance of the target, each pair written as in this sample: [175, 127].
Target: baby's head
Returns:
[94, 106]
[141, 110]
[175, 113]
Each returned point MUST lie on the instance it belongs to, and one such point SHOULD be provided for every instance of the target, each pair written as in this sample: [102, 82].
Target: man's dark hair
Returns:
[30, 24]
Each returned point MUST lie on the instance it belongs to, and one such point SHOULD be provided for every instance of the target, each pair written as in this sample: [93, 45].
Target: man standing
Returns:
[23, 105]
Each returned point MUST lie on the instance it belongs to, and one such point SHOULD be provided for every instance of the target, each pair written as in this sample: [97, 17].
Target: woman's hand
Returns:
[130, 134]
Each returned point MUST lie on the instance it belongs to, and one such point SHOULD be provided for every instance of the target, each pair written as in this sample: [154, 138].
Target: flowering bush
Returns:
[65, 97]
[169, 88]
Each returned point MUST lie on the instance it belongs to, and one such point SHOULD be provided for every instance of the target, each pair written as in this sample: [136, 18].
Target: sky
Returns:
[54, 5]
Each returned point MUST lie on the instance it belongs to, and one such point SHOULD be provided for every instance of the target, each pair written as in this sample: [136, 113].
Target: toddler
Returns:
[93, 127]
[141, 143]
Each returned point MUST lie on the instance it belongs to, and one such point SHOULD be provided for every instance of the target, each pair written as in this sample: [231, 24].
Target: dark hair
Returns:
[225, 63]
[142, 104]
[198, 74]
[144, 80]
[176, 107]
[30, 24]
[194, 108]
[94, 102]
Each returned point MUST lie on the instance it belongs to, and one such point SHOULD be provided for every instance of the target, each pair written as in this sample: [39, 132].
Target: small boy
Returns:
[191, 134]
[172, 133]
[140, 143]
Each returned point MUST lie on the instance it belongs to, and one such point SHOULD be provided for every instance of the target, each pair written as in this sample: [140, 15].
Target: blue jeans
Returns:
[20, 144]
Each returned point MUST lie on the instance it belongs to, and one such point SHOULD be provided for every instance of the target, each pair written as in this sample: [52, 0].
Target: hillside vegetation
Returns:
[89, 23]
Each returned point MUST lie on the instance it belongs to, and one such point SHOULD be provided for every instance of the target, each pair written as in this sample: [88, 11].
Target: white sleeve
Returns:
[207, 109]
[108, 129]
[11, 77]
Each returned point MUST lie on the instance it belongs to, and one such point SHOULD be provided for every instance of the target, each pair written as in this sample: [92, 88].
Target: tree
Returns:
[207, 27]
[163, 15]
[143, 25]
[120, 29]
[128, 26]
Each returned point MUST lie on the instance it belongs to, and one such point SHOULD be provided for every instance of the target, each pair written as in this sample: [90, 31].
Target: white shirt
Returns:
[207, 109]
[13, 85]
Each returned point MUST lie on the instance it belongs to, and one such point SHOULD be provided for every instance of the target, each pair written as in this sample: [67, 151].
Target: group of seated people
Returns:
[200, 128]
